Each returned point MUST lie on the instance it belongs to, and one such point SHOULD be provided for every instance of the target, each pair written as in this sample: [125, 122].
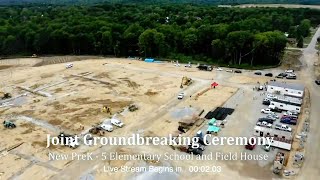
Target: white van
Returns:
[69, 65]
[107, 127]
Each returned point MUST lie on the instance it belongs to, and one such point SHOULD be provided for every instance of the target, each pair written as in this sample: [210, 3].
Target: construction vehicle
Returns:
[133, 107]
[96, 130]
[205, 67]
[185, 81]
[68, 140]
[106, 109]
[9, 124]
[278, 162]
[5, 95]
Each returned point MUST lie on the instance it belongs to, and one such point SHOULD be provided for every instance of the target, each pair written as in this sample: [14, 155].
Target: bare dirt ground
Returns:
[73, 101]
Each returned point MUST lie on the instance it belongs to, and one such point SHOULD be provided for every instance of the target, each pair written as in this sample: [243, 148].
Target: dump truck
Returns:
[205, 67]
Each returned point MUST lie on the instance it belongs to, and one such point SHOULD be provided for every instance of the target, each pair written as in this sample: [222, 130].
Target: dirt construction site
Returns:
[48, 98]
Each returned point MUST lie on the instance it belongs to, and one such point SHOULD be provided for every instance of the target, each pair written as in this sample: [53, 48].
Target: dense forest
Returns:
[212, 2]
[233, 36]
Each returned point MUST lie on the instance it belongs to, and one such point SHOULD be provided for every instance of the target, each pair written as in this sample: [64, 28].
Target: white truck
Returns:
[117, 122]
[266, 111]
[181, 95]
[69, 65]
[283, 127]
[290, 113]
[264, 124]
[271, 96]
[107, 127]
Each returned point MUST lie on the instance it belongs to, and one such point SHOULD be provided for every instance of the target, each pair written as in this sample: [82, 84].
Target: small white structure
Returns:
[69, 65]
[287, 89]
[287, 103]
[281, 139]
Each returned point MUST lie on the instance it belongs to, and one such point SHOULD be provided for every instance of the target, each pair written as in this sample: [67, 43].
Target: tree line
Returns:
[233, 36]
[211, 2]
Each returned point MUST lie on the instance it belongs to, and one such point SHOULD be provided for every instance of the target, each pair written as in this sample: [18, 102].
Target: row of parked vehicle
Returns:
[288, 117]
[288, 74]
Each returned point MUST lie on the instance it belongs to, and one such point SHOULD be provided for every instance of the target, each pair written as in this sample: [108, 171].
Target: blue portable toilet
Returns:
[149, 60]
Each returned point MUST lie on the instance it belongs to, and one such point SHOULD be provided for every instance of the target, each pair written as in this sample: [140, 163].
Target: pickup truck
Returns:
[266, 102]
[271, 96]
[291, 76]
[181, 95]
[289, 117]
[264, 124]
[117, 123]
[289, 113]
[289, 121]
[275, 109]
[266, 111]
[283, 127]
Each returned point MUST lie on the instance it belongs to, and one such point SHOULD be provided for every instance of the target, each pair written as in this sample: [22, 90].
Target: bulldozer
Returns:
[185, 81]
[9, 124]
[133, 108]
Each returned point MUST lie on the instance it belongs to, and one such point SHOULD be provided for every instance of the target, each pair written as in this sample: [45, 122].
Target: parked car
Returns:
[281, 75]
[317, 82]
[269, 74]
[271, 117]
[275, 109]
[264, 124]
[181, 95]
[229, 70]
[252, 145]
[266, 111]
[117, 122]
[194, 151]
[268, 120]
[69, 65]
[107, 127]
[271, 96]
[293, 112]
[290, 113]
[237, 71]
[219, 69]
[188, 65]
[291, 117]
[289, 121]
[258, 73]
[205, 67]
[283, 127]
[291, 76]
[289, 71]
[266, 102]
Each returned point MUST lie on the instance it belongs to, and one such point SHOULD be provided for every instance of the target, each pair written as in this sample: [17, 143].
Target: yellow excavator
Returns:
[185, 81]
[106, 109]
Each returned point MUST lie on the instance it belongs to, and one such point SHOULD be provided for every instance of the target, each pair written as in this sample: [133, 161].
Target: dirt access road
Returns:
[280, 5]
[310, 169]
